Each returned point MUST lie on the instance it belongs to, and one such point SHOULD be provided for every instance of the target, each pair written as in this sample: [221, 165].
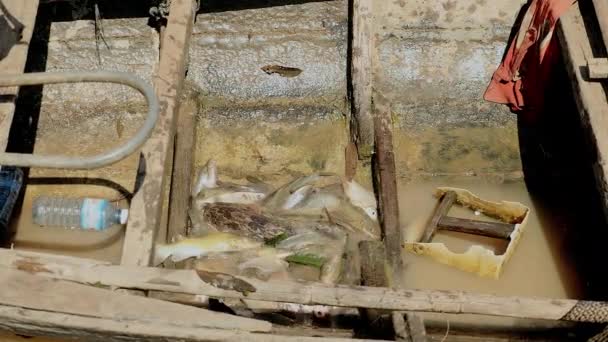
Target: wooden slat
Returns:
[497, 230]
[188, 281]
[38, 306]
[147, 203]
[182, 170]
[80, 328]
[361, 72]
[598, 68]
[386, 176]
[590, 96]
[442, 209]
[14, 63]
[23, 290]
[373, 260]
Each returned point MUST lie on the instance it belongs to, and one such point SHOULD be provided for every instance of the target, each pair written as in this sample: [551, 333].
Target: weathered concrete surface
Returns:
[446, 14]
[434, 61]
[229, 49]
[272, 143]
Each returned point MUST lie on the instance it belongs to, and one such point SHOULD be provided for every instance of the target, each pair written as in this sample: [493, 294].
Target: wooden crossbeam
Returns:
[147, 203]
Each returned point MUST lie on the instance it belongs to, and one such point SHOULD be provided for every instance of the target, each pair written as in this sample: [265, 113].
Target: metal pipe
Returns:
[93, 162]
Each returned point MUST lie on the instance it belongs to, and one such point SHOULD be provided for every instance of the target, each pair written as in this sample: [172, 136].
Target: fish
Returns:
[209, 189]
[215, 242]
[206, 178]
[292, 193]
[361, 197]
[281, 70]
[332, 203]
[322, 189]
[241, 219]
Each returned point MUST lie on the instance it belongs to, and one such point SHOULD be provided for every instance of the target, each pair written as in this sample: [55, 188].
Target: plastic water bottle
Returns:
[84, 213]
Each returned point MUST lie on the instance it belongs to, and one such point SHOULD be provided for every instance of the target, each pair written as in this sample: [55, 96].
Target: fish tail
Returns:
[161, 253]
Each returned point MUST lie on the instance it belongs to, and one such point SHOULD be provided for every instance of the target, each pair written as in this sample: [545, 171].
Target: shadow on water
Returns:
[558, 167]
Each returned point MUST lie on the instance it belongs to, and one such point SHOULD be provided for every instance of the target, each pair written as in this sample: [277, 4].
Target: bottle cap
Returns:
[124, 215]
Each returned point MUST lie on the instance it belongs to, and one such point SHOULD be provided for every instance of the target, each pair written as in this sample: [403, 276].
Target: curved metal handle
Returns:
[93, 162]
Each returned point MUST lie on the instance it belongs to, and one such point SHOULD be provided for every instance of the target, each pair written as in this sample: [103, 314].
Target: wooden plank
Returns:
[23, 290]
[408, 327]
[189, 282]
[386, 176]
[14, 63]
[497, 230]
[373, 266]
[590, 96]
[442, 209]
[601, 10]
[361, 73]
[350, 161]
[182, 170]
[598, 68]
[147, 203]
[373, 273]
[31, 322]
[49, 324]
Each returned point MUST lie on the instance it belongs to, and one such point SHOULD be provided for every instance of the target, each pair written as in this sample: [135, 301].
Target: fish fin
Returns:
[207, 178]
[260, 183]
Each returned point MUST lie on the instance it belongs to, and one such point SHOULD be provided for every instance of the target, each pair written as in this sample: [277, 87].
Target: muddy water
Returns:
[541, 264]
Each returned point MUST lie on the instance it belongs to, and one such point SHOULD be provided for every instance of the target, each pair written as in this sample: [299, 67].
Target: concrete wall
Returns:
[435, 59]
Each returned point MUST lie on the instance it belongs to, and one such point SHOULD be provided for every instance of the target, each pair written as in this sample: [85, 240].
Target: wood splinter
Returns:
[440, 220]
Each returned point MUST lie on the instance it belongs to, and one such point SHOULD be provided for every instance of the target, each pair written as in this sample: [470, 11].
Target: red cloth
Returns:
[518, 81]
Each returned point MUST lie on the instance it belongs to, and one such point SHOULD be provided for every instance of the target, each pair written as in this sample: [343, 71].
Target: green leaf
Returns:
[306, 259]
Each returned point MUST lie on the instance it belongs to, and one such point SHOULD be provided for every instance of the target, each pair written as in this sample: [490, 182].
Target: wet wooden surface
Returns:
[147, 204]
[24, 11]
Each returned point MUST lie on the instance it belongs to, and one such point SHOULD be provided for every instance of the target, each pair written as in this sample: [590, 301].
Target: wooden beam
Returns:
[182, 170]
[27, 291]
[590, 96]
[361, 74]
[189, 282]
[442, 209]
[147, 203]
[14, 63]
[373, 273]
[50, 324]
[386, 176]
[497, 230]
[597, 68]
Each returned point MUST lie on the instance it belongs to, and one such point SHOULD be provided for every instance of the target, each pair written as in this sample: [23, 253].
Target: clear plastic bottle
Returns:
[84, 213]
